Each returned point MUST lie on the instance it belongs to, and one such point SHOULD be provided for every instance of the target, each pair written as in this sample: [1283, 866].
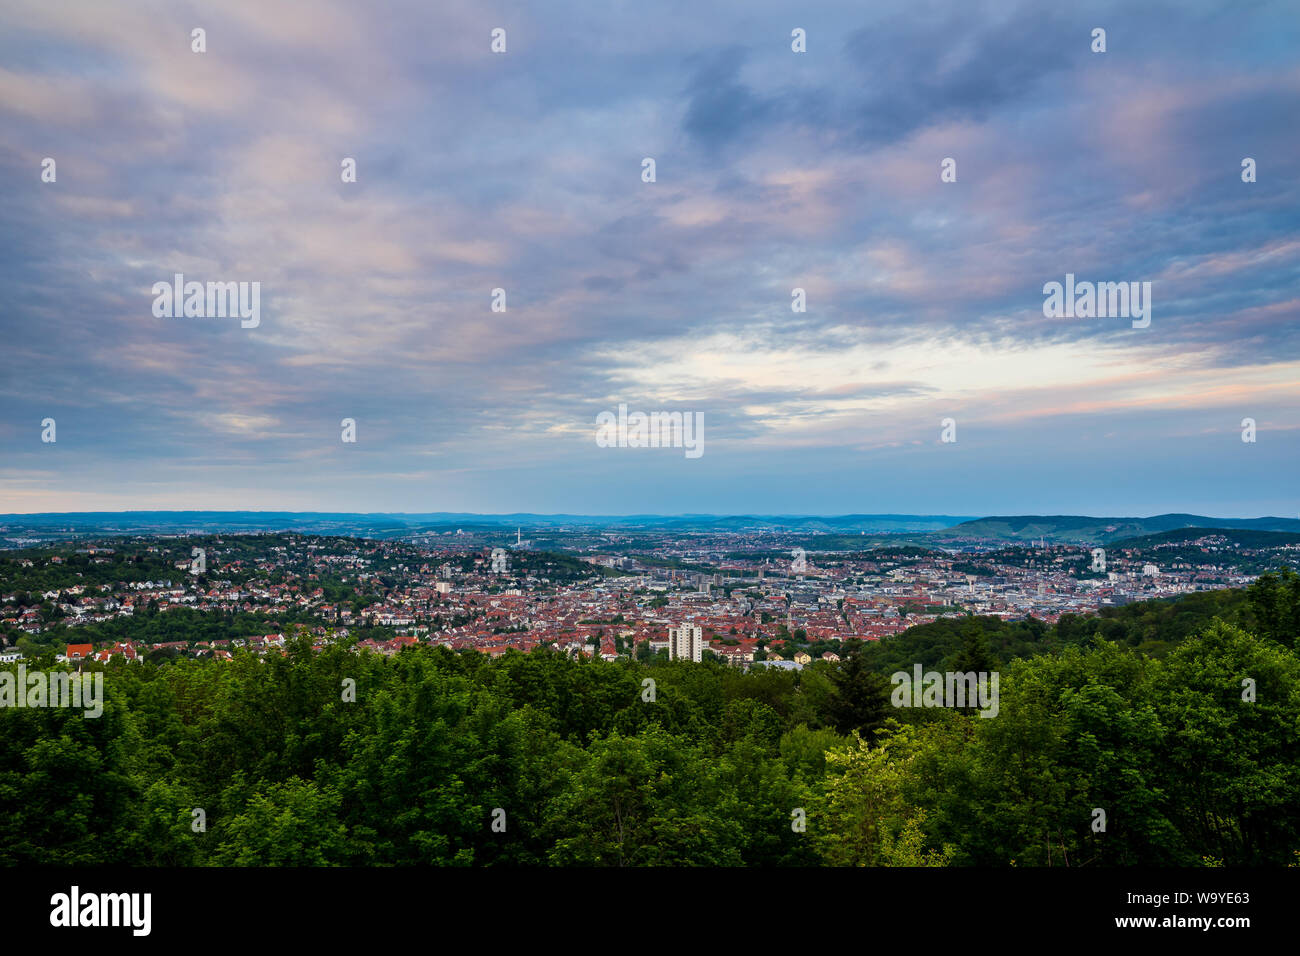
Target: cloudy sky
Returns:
[774, 170]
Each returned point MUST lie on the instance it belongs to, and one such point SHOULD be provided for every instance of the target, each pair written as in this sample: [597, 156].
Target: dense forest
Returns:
[1139, 717]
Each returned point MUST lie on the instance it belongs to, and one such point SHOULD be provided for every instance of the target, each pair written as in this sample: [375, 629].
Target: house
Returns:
[387, 648]
[127, 650]
[77, 652]
[738, 655]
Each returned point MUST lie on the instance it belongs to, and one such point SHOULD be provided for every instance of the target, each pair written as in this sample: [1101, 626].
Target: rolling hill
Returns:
[1082, 529]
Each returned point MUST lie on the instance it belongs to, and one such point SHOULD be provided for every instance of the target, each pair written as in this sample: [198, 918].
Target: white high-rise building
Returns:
[686, 642]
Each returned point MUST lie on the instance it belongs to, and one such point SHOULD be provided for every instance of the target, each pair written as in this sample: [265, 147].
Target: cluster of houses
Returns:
[133, 652]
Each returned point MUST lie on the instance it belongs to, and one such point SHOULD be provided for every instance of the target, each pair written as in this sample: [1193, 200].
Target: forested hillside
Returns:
[458, 758]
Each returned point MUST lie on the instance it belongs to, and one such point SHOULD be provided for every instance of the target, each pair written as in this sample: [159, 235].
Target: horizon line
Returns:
[684, 514]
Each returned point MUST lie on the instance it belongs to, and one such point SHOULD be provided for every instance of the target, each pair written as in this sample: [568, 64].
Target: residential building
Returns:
[686, 642]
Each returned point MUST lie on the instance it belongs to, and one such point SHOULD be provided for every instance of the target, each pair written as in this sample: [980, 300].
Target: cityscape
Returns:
[767, 596]
[448, 443]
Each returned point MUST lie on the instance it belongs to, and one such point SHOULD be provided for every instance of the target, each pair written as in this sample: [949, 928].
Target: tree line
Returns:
[1102, 753]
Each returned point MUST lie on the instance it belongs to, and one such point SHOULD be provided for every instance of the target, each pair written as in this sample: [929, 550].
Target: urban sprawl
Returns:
[747, 599]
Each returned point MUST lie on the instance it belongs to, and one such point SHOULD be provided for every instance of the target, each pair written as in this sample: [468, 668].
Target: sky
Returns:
[774, 170]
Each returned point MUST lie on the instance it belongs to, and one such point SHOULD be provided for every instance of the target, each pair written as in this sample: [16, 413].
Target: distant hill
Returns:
[824, 532]
[1082, 529]
[180, 522]
[828, 524]
[1244, 537]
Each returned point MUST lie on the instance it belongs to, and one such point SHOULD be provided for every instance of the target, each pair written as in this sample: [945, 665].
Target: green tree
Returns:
[863, 818]
[1275, 603]
[860, 699]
